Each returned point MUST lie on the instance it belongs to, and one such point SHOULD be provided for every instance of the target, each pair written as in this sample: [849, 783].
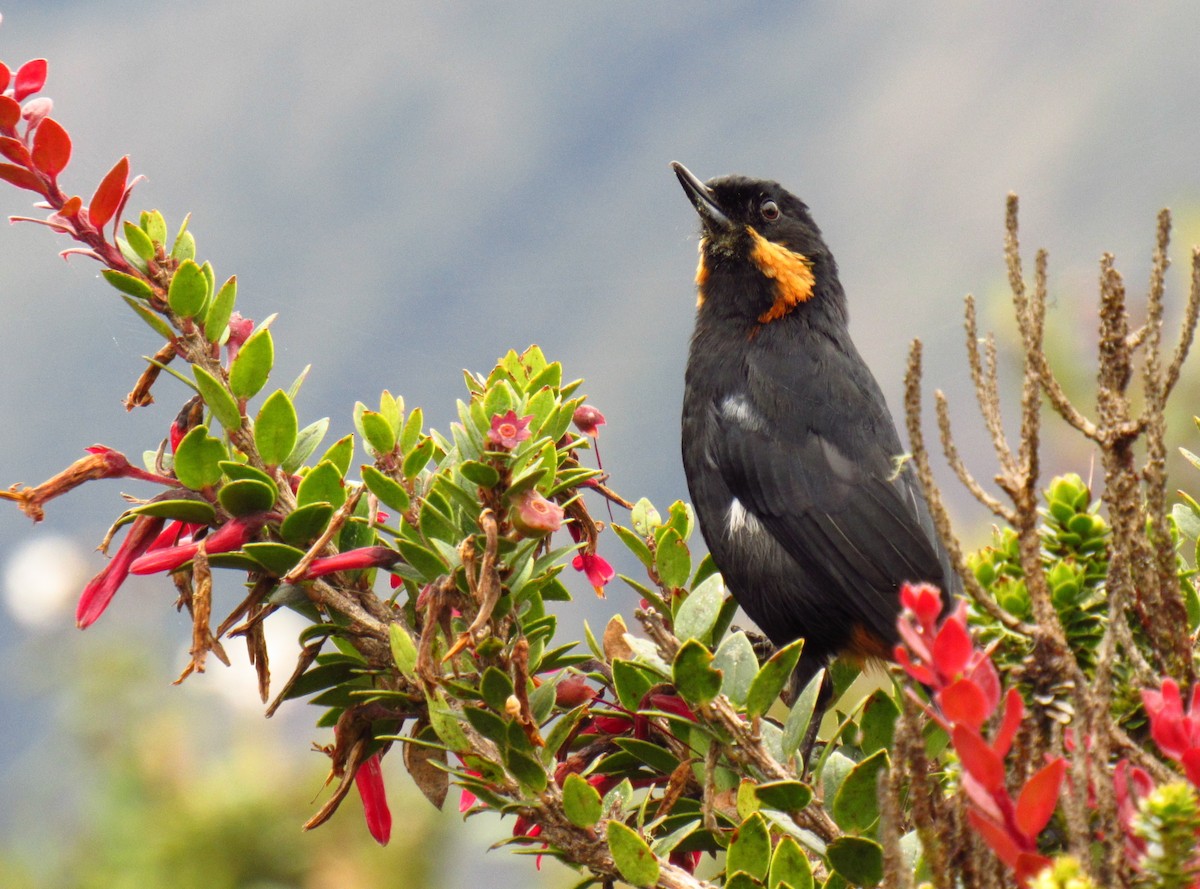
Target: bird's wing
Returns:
[839, 508]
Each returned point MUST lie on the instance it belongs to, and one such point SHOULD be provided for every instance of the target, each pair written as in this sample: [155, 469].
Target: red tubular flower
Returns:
[597, 569]
[508, 430]
[369, 781]
[229, 537]
[353, 560]
[588, 420]
[101, 589]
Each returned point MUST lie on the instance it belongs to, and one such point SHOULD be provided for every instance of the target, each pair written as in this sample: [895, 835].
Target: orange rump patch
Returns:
[792, 273]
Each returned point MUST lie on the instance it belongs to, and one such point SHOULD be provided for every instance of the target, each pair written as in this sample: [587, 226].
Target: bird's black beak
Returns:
[714, 218]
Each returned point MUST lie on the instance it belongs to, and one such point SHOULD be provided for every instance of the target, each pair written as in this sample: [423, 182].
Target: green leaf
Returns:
[278, 558]
[390, 493]
[634, 544]
[153, 224]
[645, 518]
[404, 650]
[772, 678]
[446, 724]
[657, 757]
[527, 770]
[482, 474]
[857, 859]
[581, 801]
[308, 440]
[216, 318]
[736, 659]
[138, 240]
[673, 560]
[801, 715]
[631, 683]
[693, 674]
[340, 453]
[253, 364]
[833, 772]
[878, 722]
[487, 723]
[184, 247]
[378, 432]
[198, 459]
[784, 796]
[245, 496]
[417, 459]
[188, 290]
[412, 430]
[428, 564]
[275, 428]
[698, 612]
[742, 880]
[496, 686]
[128, 284]
[304, 524]
[195, 512]
[218, 399]
[750, 850]
[632, 856]
[790, 866]
[323, 483]
[856, 806]
[153, 321]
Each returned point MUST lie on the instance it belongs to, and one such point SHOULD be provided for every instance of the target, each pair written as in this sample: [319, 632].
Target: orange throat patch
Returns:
[701, 274]
[791, 272]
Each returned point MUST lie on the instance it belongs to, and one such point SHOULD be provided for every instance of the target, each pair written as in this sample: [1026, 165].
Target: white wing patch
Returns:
[740, 411]
[739, 521]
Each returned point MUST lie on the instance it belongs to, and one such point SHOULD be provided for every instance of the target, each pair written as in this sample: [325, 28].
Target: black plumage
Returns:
[792, 459]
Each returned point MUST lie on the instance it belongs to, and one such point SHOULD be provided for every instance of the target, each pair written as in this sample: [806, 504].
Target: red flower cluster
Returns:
[1176, 732]
[965, 690]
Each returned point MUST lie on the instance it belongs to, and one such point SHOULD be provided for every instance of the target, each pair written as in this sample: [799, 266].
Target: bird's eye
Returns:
[769, 210]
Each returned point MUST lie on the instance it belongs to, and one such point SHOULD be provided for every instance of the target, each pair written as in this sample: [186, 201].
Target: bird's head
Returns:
[759, 241]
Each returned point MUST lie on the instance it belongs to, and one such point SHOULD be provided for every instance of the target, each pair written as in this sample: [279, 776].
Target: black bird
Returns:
[792, 459]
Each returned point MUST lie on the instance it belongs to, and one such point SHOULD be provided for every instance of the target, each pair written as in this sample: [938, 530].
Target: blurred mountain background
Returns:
[416, 188]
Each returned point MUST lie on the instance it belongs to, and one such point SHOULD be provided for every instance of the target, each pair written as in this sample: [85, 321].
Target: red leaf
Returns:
[996, 837]
[10, 112]
[31, 77]
[978, 758]
[964, 702]
[1014, 712]
[1039, 798]
[109, 193]
[15, 151]
[71, 208]
[919, 672]
[1029, 865]
[923, 600]
[22, 178]
[5, 76]
[51, 147]
[983, 673]
[1191, 765]
[952, 647]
